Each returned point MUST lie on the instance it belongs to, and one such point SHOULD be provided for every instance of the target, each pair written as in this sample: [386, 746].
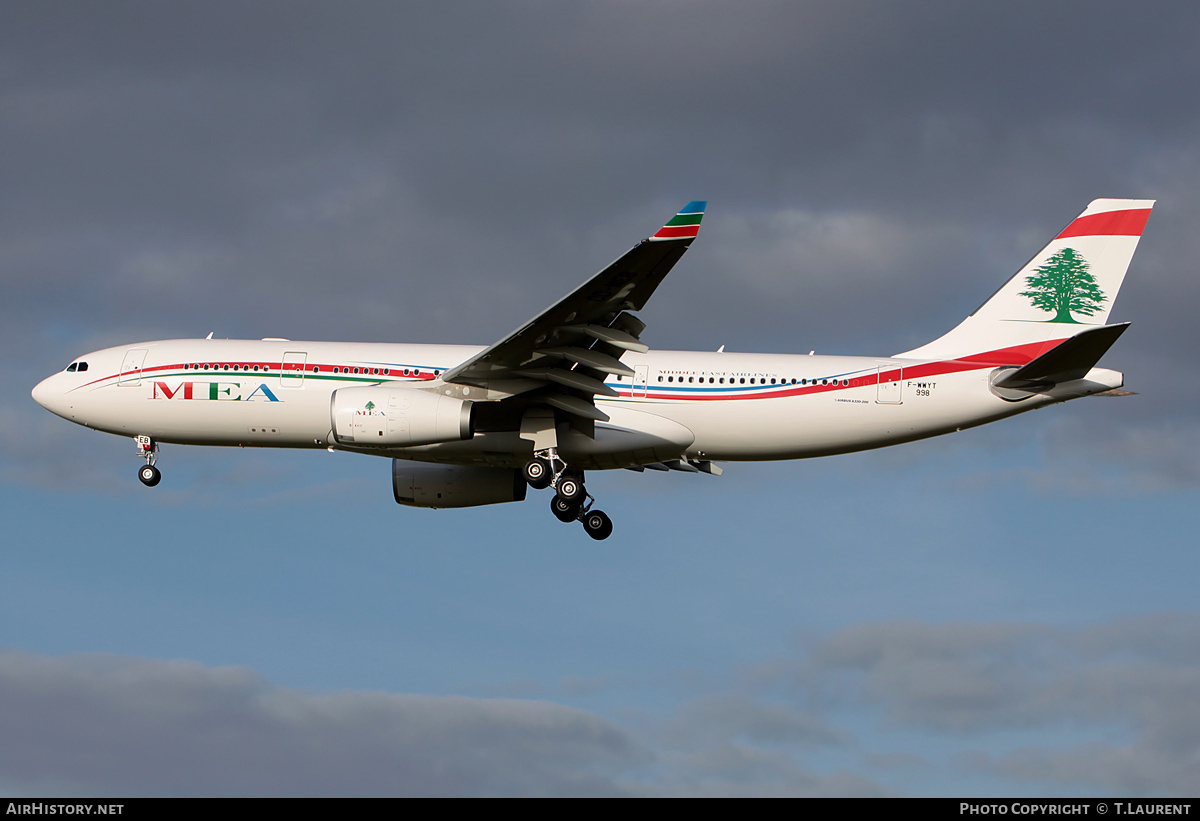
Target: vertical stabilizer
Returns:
[1069, 287]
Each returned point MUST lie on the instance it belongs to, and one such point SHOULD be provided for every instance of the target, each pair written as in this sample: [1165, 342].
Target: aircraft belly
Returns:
[629, 438]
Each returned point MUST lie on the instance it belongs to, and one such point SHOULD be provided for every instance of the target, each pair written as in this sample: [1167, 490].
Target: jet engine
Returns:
[420, 485]
[380, 416]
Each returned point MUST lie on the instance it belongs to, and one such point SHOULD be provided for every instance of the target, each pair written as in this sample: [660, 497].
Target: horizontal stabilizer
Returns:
[1070, 360]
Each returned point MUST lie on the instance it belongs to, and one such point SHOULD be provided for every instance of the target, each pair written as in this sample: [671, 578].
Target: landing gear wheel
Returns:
[597, 524]
[538, 473]
[150, 475]
[564, 510]
[570, 488]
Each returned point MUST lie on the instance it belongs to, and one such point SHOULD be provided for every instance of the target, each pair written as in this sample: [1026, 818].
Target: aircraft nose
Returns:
[47, 395]
[40, 392]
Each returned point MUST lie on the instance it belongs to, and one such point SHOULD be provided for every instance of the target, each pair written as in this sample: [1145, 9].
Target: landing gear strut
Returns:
[571, 501]
[148, 449]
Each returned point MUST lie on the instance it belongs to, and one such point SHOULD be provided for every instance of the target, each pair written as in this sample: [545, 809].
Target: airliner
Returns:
[575, 389]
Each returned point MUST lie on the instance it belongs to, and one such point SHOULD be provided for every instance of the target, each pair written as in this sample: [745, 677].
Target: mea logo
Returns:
[214, 391]
[1064, 285]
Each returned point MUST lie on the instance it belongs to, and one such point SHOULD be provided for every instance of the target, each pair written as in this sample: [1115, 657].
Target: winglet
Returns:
[685, 224]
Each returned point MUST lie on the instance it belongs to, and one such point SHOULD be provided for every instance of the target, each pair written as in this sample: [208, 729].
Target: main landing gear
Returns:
[571, 501]
[148, 448]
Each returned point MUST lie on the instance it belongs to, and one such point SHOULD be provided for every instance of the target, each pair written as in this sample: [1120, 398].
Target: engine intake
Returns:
[398, 417]
[420, 485]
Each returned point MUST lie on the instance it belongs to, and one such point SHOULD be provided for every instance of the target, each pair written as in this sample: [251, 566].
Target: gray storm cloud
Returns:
[117, 725]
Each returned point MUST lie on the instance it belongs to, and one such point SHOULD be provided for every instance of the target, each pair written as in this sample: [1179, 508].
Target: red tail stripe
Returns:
[1129, 223]
[673, 231]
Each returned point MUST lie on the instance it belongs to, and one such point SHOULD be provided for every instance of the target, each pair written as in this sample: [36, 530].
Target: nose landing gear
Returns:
[148, 449]
[571, 501]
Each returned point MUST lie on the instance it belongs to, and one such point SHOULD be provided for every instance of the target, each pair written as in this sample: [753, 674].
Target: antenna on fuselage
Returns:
[210, 333]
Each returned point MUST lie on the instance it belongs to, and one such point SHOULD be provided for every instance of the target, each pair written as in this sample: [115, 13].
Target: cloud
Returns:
[118, 725]
[1085, 454]
[1107, 768]
[865, 710]
[441, 172]
[1111, 706]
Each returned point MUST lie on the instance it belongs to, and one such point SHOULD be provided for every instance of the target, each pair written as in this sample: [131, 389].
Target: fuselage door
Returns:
[131, 368]
[292, 373]
[639, 380]
[891, 383]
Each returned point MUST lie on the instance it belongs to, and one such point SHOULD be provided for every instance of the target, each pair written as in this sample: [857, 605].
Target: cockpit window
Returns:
[82, 367]
[71, 367]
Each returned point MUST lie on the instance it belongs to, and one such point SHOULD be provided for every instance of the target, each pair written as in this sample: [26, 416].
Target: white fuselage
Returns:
[714, 406]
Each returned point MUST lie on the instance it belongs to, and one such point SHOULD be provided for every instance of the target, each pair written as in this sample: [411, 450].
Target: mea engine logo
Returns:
[216, 391]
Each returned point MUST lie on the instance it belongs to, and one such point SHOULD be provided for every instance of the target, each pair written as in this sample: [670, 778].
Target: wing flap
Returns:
[576, 380]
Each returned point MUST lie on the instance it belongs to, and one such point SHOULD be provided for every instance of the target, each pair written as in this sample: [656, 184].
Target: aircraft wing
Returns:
[565, 353]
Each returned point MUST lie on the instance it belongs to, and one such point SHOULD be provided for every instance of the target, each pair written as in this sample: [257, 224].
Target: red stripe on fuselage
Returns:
[1129, 223]
[267, 370]
[1016, 355]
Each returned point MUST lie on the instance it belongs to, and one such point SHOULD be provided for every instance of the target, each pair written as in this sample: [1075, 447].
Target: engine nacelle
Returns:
[379, 416]
[420, 485]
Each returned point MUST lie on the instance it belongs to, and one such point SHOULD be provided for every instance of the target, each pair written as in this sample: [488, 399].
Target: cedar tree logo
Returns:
[1063, 285]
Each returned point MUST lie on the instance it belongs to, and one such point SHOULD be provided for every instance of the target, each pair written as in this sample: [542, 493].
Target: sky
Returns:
[1010, 610]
